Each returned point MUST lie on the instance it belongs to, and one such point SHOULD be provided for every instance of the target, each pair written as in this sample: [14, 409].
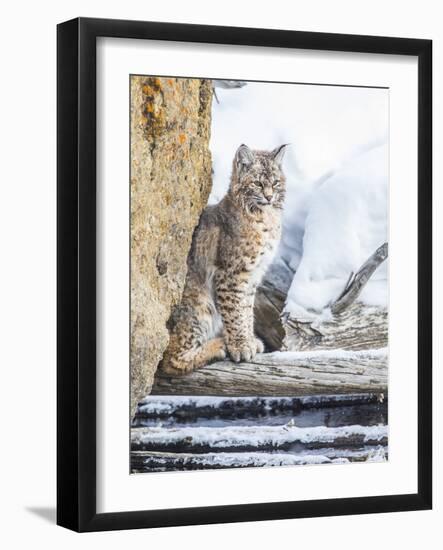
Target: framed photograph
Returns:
[244, 274]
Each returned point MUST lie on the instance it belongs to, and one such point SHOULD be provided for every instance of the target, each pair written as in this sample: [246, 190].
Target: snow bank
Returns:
[343, 209]
[346, 223]
[325, 125]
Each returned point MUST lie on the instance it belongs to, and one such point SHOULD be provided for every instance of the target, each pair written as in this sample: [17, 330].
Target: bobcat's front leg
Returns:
[235, 300]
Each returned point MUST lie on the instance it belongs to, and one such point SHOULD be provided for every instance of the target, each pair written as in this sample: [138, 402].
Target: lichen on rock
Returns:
[170, 184]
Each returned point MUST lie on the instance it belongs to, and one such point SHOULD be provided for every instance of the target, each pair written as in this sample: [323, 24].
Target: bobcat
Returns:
[232, 247]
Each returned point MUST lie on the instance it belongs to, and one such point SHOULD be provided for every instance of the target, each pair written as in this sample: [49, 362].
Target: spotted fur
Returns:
[232, 247]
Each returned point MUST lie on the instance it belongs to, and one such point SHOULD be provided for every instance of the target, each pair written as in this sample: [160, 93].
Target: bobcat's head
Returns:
[258, 181]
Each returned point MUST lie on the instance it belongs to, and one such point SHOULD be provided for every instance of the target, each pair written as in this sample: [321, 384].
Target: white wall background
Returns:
[27, 302]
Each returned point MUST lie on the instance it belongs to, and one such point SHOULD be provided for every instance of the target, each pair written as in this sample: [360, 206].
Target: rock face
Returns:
[170, 185]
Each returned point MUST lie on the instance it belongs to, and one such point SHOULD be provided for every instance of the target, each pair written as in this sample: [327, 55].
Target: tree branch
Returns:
[356, 282]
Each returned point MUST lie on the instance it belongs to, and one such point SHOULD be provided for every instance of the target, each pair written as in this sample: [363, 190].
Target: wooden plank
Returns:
[284, 374]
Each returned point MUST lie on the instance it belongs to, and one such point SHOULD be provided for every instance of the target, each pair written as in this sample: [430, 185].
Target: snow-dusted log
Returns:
[357, 281]
[254, 438]
[358, 327]
[154, 461]
[155, 407]
[285, 374]
[350, 325]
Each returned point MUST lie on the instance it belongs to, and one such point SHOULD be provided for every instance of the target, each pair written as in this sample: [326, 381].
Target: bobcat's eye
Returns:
[276, 183]
[258, 184]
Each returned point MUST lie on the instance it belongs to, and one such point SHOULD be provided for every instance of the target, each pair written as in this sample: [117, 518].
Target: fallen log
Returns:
[154, 407]
[358, 327]
[324, 410]
[144, 461]
[270, 299]
[285, 374]
[357, 281]
[254, 438]
[351, 324]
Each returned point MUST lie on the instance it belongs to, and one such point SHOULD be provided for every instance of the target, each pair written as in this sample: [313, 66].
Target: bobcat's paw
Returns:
[220, 355]
[260, 347]
[243, 350]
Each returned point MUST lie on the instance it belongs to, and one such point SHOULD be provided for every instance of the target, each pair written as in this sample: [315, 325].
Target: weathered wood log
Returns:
[358, 327]
[356, 282]
[352, 324]
[269, 302]
[284, 374]
[254, 438]
[184, 446]
[154, 407]
[270, 299]
[152, 461]
[325, 410]
[144, 461]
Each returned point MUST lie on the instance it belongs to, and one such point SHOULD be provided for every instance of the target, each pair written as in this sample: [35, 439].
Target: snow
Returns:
[162, 405]
[229, 460]
[335, 214]
[378, 454]
[255, 436]
[346, 223]
[167, 404]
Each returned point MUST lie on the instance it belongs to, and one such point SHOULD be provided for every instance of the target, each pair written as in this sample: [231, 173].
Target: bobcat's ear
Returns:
[279, 152]
[244, 157]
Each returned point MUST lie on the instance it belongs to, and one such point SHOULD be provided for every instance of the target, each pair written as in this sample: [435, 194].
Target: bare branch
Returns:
[357, 282]
[345, 288]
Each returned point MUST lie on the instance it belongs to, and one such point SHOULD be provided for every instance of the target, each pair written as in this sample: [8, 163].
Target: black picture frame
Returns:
[76, 279]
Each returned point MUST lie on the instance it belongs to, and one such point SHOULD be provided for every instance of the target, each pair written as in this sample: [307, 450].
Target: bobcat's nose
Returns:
[268, 198]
